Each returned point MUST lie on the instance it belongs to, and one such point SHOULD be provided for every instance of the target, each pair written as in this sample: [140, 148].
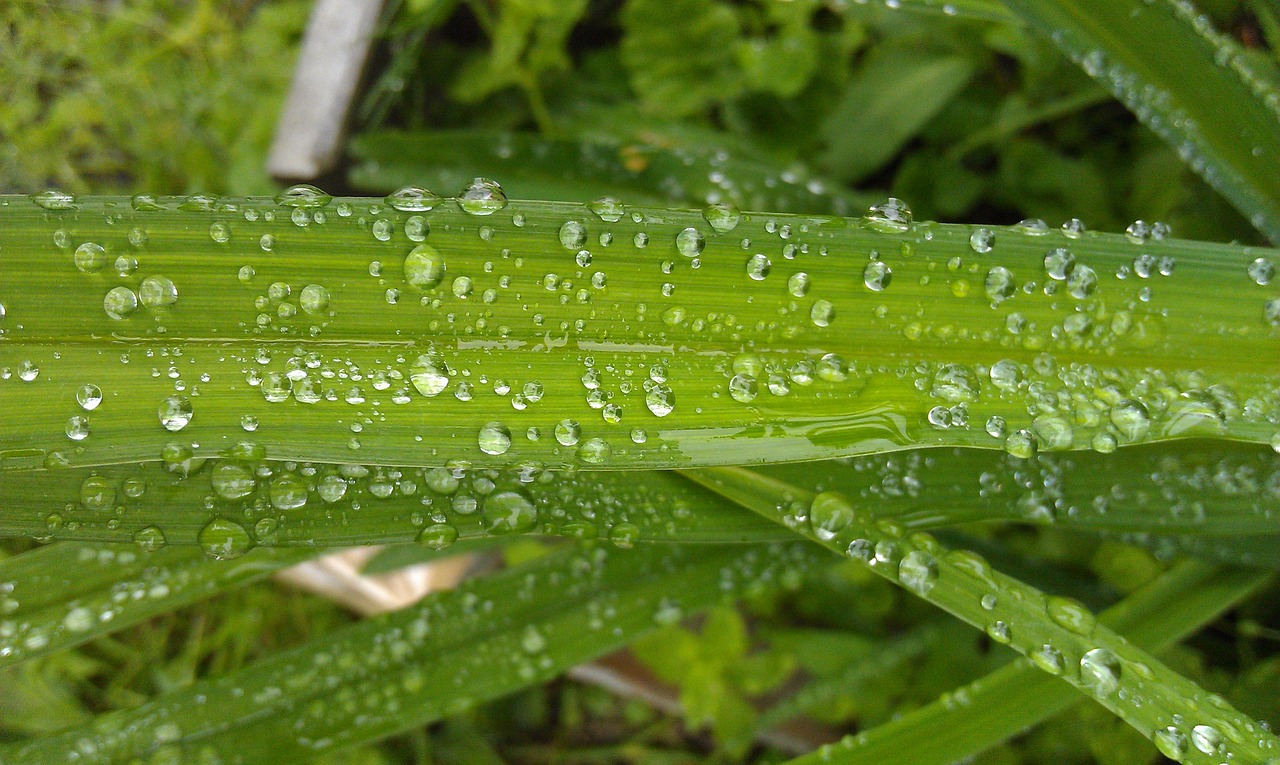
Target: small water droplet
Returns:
[77, 428]
[89, 396]
[175, 413]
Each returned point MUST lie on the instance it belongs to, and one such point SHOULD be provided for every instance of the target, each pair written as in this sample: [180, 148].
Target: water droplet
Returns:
[567, 432]
[1082, 282]
[438, 536]
[494, 438]
[314, 299]
[690, 242]
[722, 216]
[89, 396]
[232, 480]
[573, 234]
[424, 267]
[287, 492]
[220, 232]
[798, 284]
[743, 388]
[758, 266]
[509, 512]
[303, 195]
[1171, 742]
[1131, 419]
[77, 428]
[1032, 226]
[482, 197]
[1000, 631]
[822, 313]
[412, 199]
[982, 240]
[1020, 444]
[175, 413]
[918, 571]
[1071, 615]
[660, 400]
[54, 200]
[607, 209]
[829, 514]
[1073, 229]
[1052, 432]
[890, 216]
[149, 538]
[594, 451]
[145, 203]
[1000, 284]
[90, 258]
[416, 228]
[955, 383]
[877, 275]
[1206, 738]
[1049, 659]
[157, 292]
[1271, 310]
[1262, 271]
[223, 539]
[1100, 672]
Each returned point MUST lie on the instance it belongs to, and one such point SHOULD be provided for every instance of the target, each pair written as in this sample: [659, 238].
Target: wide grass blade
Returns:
[542, 334]
[59, 596]
[488, 638]
[1018, 696]
[1191, 84]
[1060, 636]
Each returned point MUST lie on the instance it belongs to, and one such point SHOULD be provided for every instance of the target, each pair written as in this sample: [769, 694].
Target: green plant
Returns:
[683, 399]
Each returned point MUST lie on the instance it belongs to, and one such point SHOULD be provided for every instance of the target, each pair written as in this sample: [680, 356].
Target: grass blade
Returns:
[1185, 80]
[320, 347]
[488, 638]
[227, 506]
[65, 594]
[1060, 636]
[1018, 696]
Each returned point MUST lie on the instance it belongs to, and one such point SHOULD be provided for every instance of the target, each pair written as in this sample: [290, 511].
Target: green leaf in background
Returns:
[63, 595]
[1186, 81]
[679, 53]
[454, 650]
[886, 103]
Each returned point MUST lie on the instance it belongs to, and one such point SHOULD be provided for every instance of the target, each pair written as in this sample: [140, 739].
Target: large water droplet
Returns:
[287, 492]
[1100, 672]
[223, 539]
[1171, 742]
[758, 266]
[1071, 615]
[890, 216]
[424, 267]
[877, 275]
[829, 514]
[607, 209]
[90, 258]
[494, 438]
[660, 400]
[509, 512]
[303, 195]
[723, 216]
[89, 396]
[573, 234]
[918, 571]
[77, 428]
[482, 197]
[54, 200]
[690, 242]
[982, 240]
[157, 292]
[1131, 419]
[314, 299]
[412, 199]
[438, 536]
[175, 413]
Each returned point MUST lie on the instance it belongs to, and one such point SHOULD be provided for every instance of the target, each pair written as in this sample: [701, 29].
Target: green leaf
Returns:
[453, 651]
[1188, 82]
[59, 596]
[679, 53]
[886, 104]
[1018, 695]
[549, 340]
[782, 64]
[1057, 634]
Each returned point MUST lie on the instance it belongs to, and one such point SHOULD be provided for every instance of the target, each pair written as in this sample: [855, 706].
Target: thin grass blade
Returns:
[1060, 636]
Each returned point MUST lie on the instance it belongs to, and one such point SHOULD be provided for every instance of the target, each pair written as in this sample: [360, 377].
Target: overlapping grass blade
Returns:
[1018, 696]
[1191, 84]
[228, 505]
[1059, 635]
[686, 170]
[488, 638]
[555, 335]
[65, 594]
[1194, 487]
